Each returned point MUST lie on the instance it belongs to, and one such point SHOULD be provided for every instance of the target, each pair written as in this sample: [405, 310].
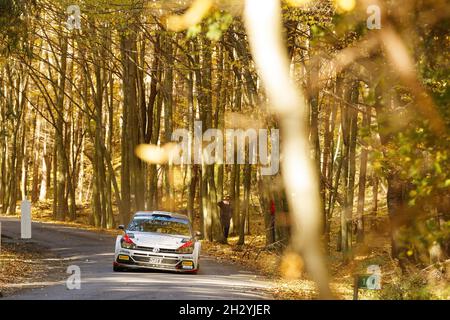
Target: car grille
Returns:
[146, 259]
[161, 250]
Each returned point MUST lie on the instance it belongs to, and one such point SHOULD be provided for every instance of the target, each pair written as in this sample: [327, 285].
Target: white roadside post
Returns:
[0, 237]
[25, 219]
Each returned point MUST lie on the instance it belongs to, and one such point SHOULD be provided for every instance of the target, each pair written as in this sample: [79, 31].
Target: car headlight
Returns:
[188, 247]
[127, 243]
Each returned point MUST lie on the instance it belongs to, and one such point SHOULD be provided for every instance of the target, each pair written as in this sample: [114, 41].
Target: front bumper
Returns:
[130, 258]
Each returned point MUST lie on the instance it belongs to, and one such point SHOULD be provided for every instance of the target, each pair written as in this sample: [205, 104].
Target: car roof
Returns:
[165, 213]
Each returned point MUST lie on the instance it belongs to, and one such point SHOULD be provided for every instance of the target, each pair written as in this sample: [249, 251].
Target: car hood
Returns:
[145, 239]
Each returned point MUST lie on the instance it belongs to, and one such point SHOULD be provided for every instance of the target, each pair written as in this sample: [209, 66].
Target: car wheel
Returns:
[196, 270]
[118, 268]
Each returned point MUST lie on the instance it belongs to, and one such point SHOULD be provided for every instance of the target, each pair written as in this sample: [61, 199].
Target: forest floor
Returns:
[292, 282]
[26, 264]
[287, 270]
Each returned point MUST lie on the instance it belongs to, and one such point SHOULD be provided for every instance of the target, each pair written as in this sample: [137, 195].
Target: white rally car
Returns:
[158, 240]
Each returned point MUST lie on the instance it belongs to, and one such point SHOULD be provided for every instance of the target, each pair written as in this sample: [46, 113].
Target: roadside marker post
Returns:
[25, 220]
[369, 281]
[0, 237]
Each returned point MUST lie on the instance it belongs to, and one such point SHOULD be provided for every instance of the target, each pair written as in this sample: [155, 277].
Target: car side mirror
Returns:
[121, 227]
[198, 234]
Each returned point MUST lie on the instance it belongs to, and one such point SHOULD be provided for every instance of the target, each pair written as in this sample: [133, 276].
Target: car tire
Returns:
[118, 268]
[196, 270]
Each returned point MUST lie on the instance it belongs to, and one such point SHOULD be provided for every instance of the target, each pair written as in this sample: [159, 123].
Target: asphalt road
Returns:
[93, 253]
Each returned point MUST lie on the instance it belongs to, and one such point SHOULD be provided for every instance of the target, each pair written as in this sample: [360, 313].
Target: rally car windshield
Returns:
[160, 224]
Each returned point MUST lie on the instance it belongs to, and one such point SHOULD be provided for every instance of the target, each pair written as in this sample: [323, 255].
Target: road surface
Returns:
[93, 253]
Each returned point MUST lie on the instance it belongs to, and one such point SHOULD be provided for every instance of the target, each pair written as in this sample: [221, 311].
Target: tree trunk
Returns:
[362, 181]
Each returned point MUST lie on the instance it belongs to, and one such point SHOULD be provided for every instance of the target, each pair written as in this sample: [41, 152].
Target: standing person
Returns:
[226, 212]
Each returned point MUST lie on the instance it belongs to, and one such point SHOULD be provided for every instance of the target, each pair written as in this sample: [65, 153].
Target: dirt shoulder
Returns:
[269, 263]
[24, 264]
[290, 281]
[286, 271]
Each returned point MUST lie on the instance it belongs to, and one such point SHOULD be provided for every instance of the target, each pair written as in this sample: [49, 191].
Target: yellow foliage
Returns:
[291, 266]
[345, 5]
[298, 3]
[193, 15]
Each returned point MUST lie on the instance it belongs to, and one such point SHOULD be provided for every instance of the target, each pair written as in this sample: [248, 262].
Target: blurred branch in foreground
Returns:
[263, 22]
